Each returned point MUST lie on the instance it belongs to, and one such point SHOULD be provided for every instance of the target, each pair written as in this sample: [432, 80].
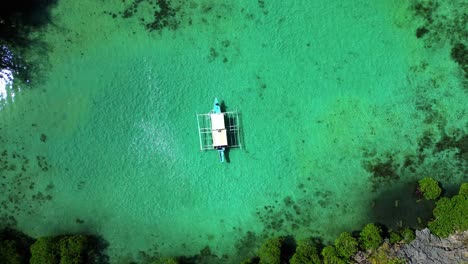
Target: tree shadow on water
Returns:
[288, 248]
[400, 206]
[23, 16]
[17, 20]
[97, 251]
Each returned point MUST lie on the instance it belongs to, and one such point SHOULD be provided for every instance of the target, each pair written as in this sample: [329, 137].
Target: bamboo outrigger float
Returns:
[219, 130]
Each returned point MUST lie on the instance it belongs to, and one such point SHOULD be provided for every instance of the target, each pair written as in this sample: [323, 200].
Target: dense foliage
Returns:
[306, 253]
[408, 235]
[429, 188]
[395, 237]
[463, 189]
[270, 251]
[330, 256]
[346, 245]
[405, 235]
[14, 246]
[370, 236]
[382, 256]
[166, 261]
[44, 250]
[8, 252]
[451, 214]
[253, 260]
[71, 249]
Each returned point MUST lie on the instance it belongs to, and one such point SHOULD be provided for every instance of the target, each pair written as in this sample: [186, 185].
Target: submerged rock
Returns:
[429, 248]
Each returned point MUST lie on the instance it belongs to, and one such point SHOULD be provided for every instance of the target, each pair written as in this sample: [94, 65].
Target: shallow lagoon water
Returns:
[340, 105]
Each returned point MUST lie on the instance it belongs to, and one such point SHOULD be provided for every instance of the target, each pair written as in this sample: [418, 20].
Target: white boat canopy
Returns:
[219, 130]
[217, 121]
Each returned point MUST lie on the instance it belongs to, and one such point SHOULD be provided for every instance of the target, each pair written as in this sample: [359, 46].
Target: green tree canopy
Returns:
[451, 214]
[253, 260]
[463, 189]
[70, 249]
[346, 245]
[9, 253]
[44, 250]
[429, 188]
[408, 235]
[330, 256]
[395, 237]
[14, 246]
[170, 261]
[306, 253]
[73, 249]
[270, 251]
[370, 236]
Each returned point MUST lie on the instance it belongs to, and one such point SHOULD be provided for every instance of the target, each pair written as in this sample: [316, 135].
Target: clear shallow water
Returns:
[335, 107]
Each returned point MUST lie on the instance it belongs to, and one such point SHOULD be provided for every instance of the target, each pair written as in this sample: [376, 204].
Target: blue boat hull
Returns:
[221, 154]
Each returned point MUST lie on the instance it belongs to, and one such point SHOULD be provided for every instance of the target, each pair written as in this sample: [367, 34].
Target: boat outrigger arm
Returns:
[218, 130]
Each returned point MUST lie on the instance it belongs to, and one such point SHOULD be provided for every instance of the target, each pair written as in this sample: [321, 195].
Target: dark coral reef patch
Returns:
[20, 194]
[444, 22]
[172, 15]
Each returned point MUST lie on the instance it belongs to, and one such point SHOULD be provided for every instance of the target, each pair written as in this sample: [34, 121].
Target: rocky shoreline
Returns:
[431, 249]
[426, 248]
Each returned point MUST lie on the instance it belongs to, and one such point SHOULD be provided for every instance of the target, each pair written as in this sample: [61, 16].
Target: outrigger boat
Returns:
[218, 130]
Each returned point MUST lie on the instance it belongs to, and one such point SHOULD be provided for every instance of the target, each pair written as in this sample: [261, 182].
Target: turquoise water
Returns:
[340, 104]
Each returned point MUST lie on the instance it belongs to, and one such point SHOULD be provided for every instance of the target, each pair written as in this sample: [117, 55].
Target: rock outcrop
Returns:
[431, 249]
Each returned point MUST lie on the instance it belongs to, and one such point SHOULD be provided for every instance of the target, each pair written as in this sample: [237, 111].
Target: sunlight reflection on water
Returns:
[154, 140]
[6, 91]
